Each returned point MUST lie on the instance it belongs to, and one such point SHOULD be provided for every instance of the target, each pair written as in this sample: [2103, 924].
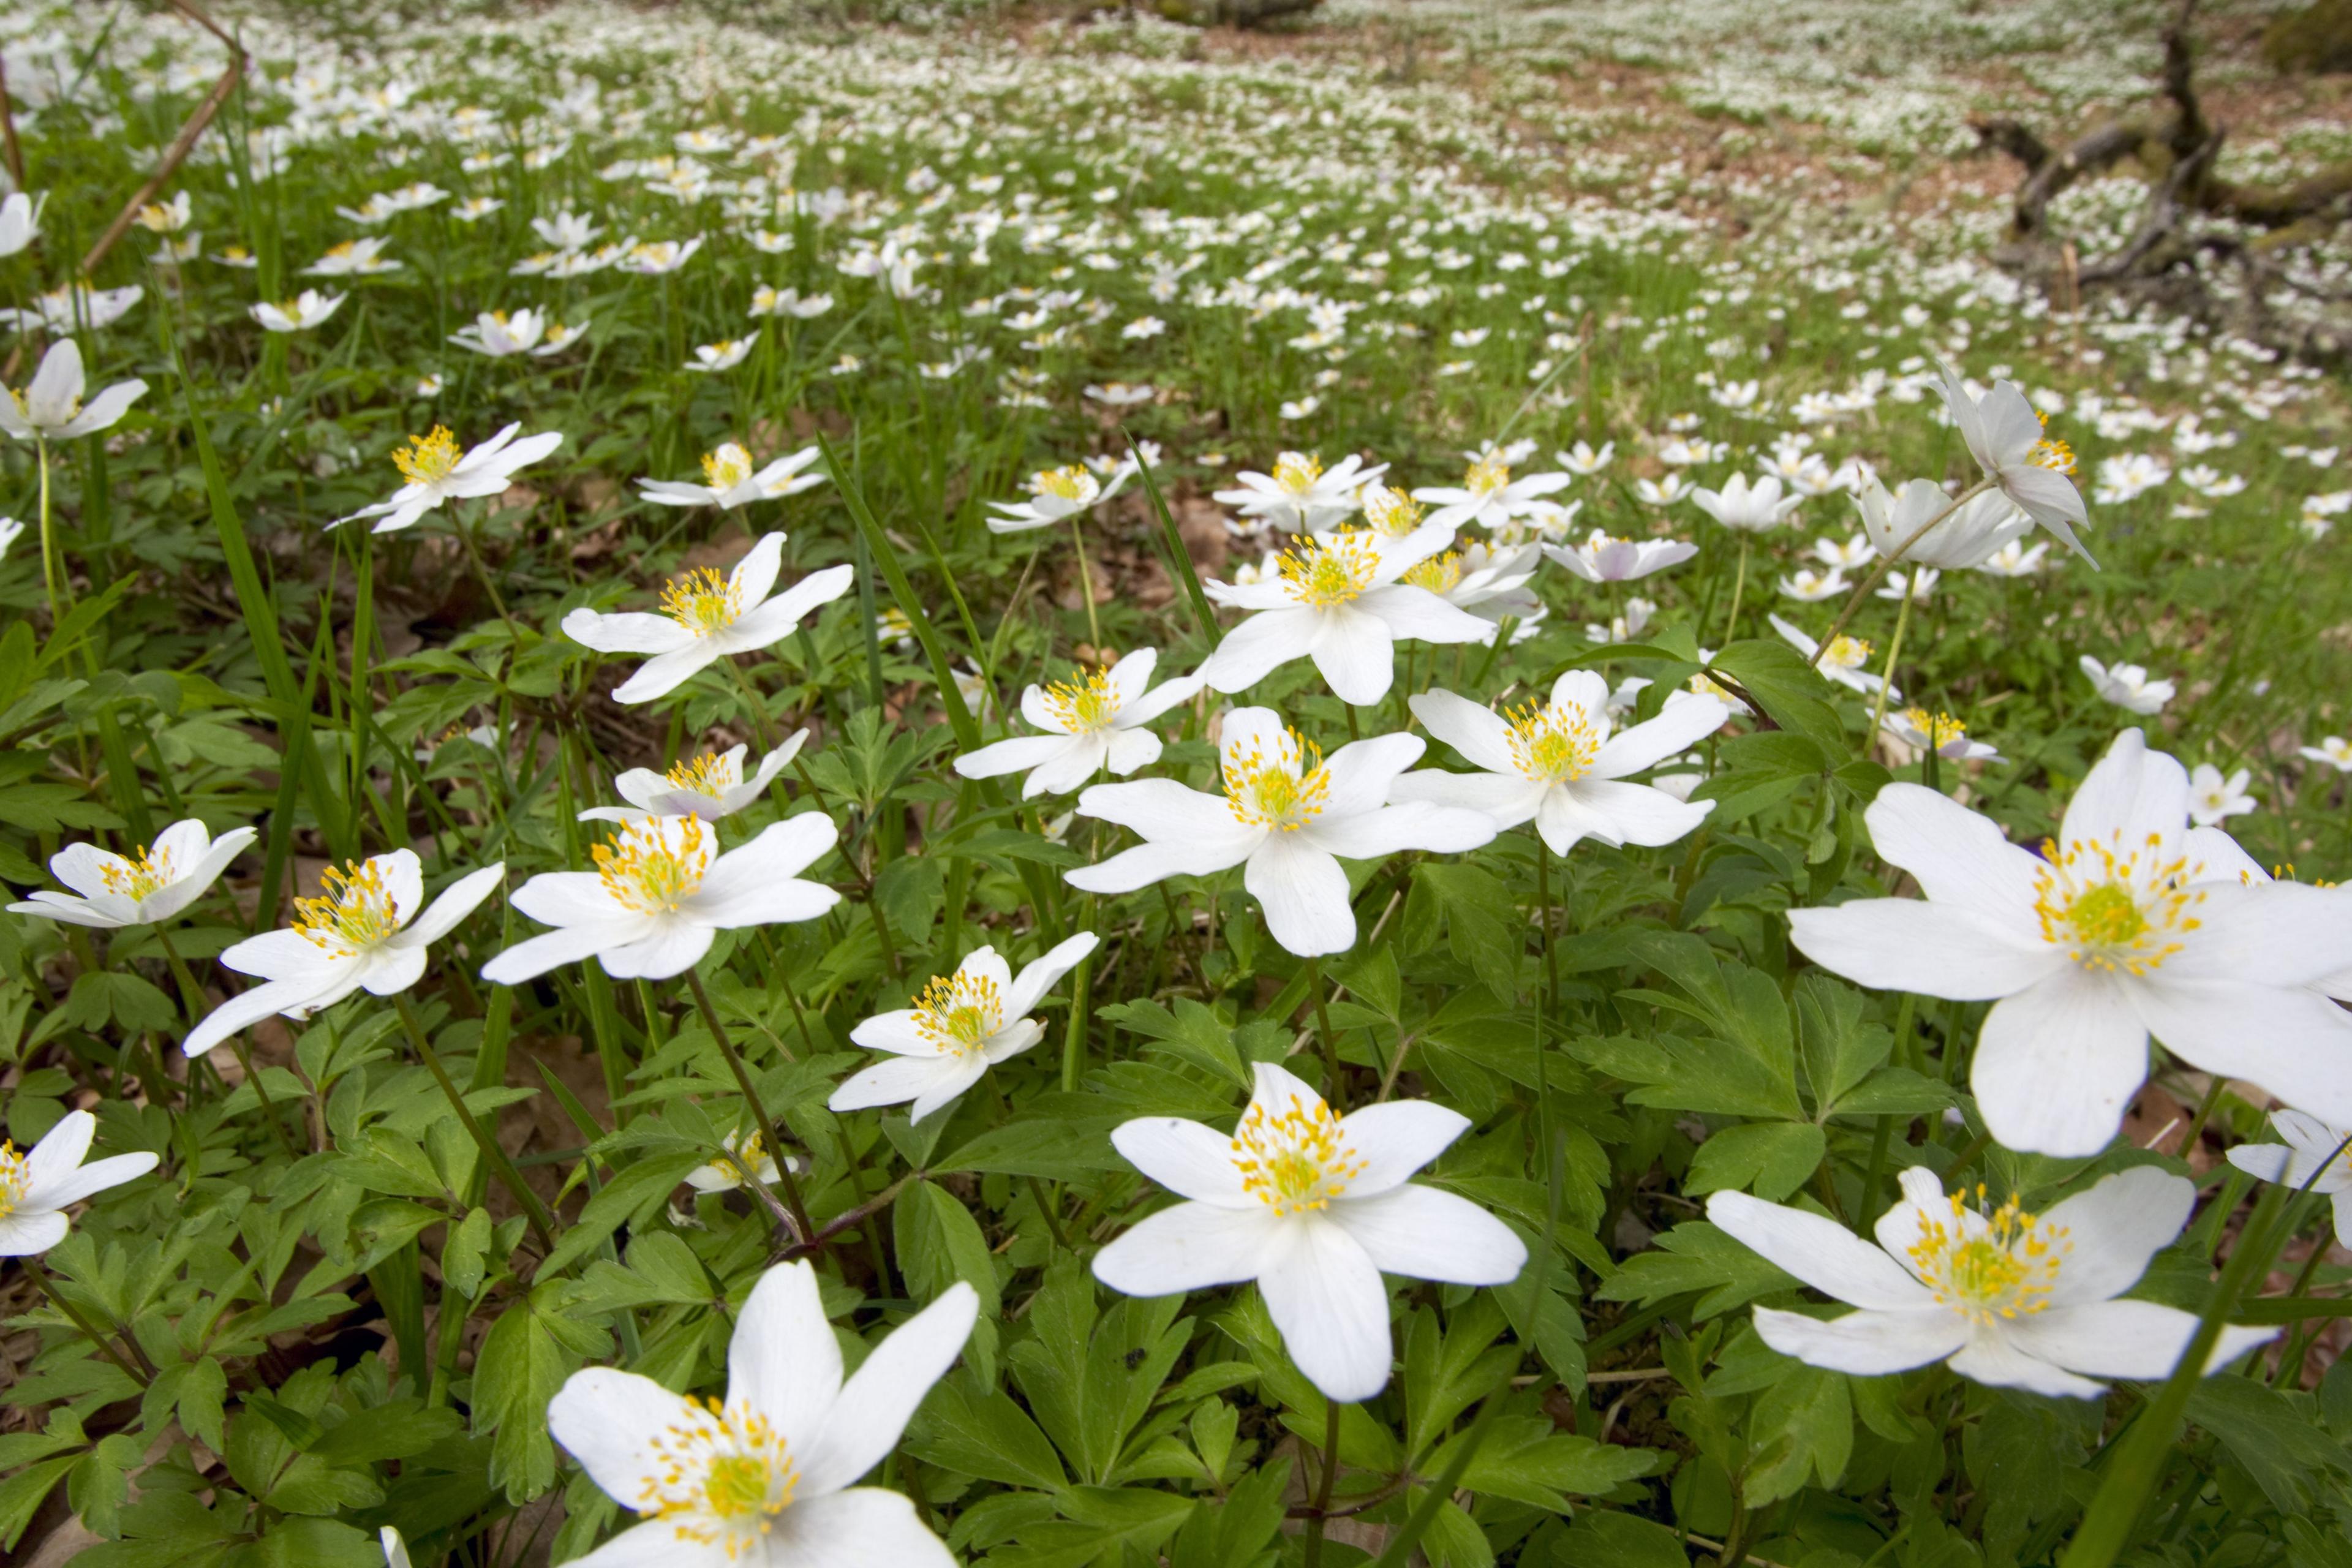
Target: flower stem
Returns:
[1319, 988]
[542, 1223]
[1086, 586]
[1323, 1483]
[1853, 600]
[759, 1111]
[51, 571]
[1739, 587]
[1886, 676]
[192, 1002]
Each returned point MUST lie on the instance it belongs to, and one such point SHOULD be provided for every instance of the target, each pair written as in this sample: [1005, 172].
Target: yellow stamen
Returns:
[1390, 511]
[1297, 472]
[1847, 652]
[1332, 572]
[1439, 574]
[642, 871]
[1486, 476]
[142, 875]
[720, 1477]
[1554, 742]
[427, 460]
[2114, 912]
[959, 1012]
[1285, 793]
[2050, 452]
[1073, 483]
[727, 468]
[702, 601]
[2003, 1266]
[1085, 705]
[709, 774]
[354, 910]
[1296, 1162]
[15, 1180]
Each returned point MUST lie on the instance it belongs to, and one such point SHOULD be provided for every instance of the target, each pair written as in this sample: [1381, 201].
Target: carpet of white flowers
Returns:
[789, 791]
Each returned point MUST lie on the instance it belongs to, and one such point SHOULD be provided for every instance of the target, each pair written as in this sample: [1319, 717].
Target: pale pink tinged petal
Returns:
[893, 1082]
[1130, 676]
[881, 1396]
[457, 900]
[530, 958]
[1395, 1138]
[1163, 808]
[403, 874]
[23, 1234]
[2267, 1162]
[1075, 760]
[388, 970]
[1168, 694]
[2139, 1340]
[632, 631]
[94, 1177]
[1507, 798]
[1636, 813]
[1304, 894]
[1422, 1233]
[783, 1361]
[1994, 1357]
[1359, 774]
[1016, 755]
[895, 1033]
[1191, 1246]
[665, 673]
[1409, 611]
[671, 948]
[756, 573]
[1042, 975]
[2265, 933]
[1256, 647]
[1326, 1298]
[643, 788]
[2110, 1232]
[2295, 1044]
[609, 1420]
[1124, 751]
[1817, 1250]
[1356, 655]
[60, 1151]
[2131, 794]
[566, 898]
[1189, 1158]
[1909, 944]
[1674, 731]
[1148, 863]
[865, 1527]
[1959, 856]
[2056, 1064]
[1867, 1343]
[1416, 824]
[1483, 738]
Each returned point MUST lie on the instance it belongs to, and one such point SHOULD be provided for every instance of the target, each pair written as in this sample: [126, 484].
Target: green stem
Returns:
[542, 1223]
[1315, 1520]
[1738, 587]
[1318, 988]
[1087, 587]
[104, 1342]
[758, 1110]
[1887, 675]
[1862, 589]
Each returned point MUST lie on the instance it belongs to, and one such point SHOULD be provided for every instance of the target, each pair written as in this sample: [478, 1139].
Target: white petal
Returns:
[1018, 755]
[2111, 1230]
[2270, 933]
[1191, 1246]
[671, 948]
[1303, 893]
[1413, 824]
[1042, 975]
[1674, 731]
[1482, 737]
[26, 1233]
[59, 1151]
[1189, 1158]
[783, 1361]
[882, 1394]
[893, 1082]
[1395, 1140]
[1865, 1344]
[1507, 798]
[1355, 652]
[756, 573]
[1359, 772]
[1424, 1234]
[2131, 794]
[1959, 856]
[2139, 1340]
[1617, 812]
[1995, 1358]
[665, 672]
[2056, 1064]
[1817, 1250]
[457, 900]
[1256, 647]
[609, 1419]
[865, 1527]
[1909, 944]
[2296, 1044]
[1148, 863]
[629, 631]
[1326, 1298]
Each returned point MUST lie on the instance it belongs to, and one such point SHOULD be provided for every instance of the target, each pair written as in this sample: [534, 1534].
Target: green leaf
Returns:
[1055, 1149]
[1803, 1426]
[2276, 1436]
[979, 1431]
[1524, 1458]
[940, 1242]
[1694, 1256]
[1194, 1032]
[1770, 1159]
[523, 1361]
[1484, 927]
[1795, 694]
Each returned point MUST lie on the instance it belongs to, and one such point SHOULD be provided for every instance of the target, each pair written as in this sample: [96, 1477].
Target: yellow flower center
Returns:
[344, 249]
[709, 774]
[1285, 793]
[1554, 743]
[142, 875]
[2001, 1267]
[702, 601]
[2112, 911]
[1297, 472]
[642, 871]
[957, 1013]
[749, 1152]
[1084, 705]
[1486, 476]
[15, 1180]
[354, 910]
[1390, 511]
[727, 468]
[1439, 574]
[1333, 572]
[1940, 729]
[1296, 1162]
[1847, 652]
[1072, 483]
[427, 460]
[720, 1477]
[2050, 452]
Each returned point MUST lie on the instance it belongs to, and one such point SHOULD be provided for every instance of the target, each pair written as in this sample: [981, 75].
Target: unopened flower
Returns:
[151, 886]
[705, 617]
[1093, 723]
[38, 1185]
[1968, 535]
[435, 473]
[960, 1026]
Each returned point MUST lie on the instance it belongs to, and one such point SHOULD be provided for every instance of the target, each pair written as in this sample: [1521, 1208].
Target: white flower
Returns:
[745, 1150]
[2127, 477]
[1487, 496]
[1603, 558]
[1284, 815]
[497, 335]
[1057, 495]
[709, 786]
[142, 890]
[68, 308]
[2004, 436]
[1091, 725]
[1937, 732]
[1968, 537]
[1337, 601]
[1315, 1208]
[1559, 766]
[1301, 496]
[2213, 799]
[2313, 1156]
[1856, 551]
[2128, 686]
[1846, 662]
[353, 257]
[659, 893]
[299, 314]
[1625, 628]
[731, 481]
[363, 931]
[38, 1185]
[725, 354]
[1749, 508]
[1121, 394]
[50, 407]
[2335, 752]
[2015, 558]
[2009, 1299]
[1143, 327]
[396, 1549]
[960, 1026]
[435, 473]
[567, 230]
[655, 257]
[771, 301]
[705, 617]
[1920, 585]
[1662, 492]
[1810, 587]
[11, 531]
[1583, 460]
[762, 1480]
[20, 221]
[2131, 924]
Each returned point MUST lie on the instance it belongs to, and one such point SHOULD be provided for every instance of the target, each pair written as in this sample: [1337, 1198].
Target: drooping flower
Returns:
[1055, 495]
[2128, 686]
[1339, 600]
[706, 617]
[748, 1158]
[50, 407]
[2005, 435]
[363, 931]
[1315, 1208]
[1970, 535]
[961, 1025]
[38, 1185]
[2313, 1156]
[151, 886]
[660, 892]
[730, 479]
[1301, 496]
[1603, 558]
[763, 1476]
[710, 786]
[2005, 1298]
[435, 473]
[1286, 813]
[1559, 766]
[2128, 925]
[1095, 723]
